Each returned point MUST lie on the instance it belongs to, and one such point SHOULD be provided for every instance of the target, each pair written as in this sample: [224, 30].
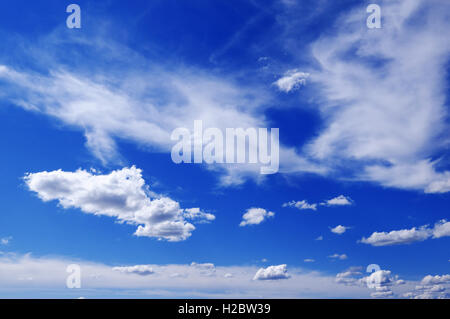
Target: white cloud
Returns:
[291, 80]
[431, 287]
[407, 236]
[319, 238]
[350, 276]
[121, 194]
[339, 229]
[340, 200]
[435, 280]
[380, 283]
[272, 273]
[255, 216]
[441, 229]
[5, 240]
[338, 256]
[382, 96]
[397, 237]
[142, 270]
[309, 260]
[303, 204]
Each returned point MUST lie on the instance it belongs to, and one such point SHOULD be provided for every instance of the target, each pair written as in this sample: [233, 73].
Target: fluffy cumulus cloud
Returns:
[339, 229]
[272, 273]
[142, 270]
[407, 236]
[255, 216]
[302, 205]
[291, 80]
[121, 194]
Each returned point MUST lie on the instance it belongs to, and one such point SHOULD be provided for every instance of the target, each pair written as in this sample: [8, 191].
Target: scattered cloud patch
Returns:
[303, 204]
[338, 256]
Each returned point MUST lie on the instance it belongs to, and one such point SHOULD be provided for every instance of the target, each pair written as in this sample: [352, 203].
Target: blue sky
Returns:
[362, 115]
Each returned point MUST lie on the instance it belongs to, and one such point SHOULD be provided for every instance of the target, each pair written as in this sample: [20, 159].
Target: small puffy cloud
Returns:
[291, 80]
[338, 256]
[272, 273]
[309, 260]
[255, 216]
[319, 238]
[341, 200]
[407, 236]
[339, 229]
[121, 194]
[142, 270]
[303, 204]
[5, 240]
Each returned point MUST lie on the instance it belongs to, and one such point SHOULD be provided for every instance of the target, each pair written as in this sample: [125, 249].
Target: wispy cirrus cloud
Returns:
[368, 80]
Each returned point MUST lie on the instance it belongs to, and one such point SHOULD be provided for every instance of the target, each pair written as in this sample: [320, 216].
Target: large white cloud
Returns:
[121, 194]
